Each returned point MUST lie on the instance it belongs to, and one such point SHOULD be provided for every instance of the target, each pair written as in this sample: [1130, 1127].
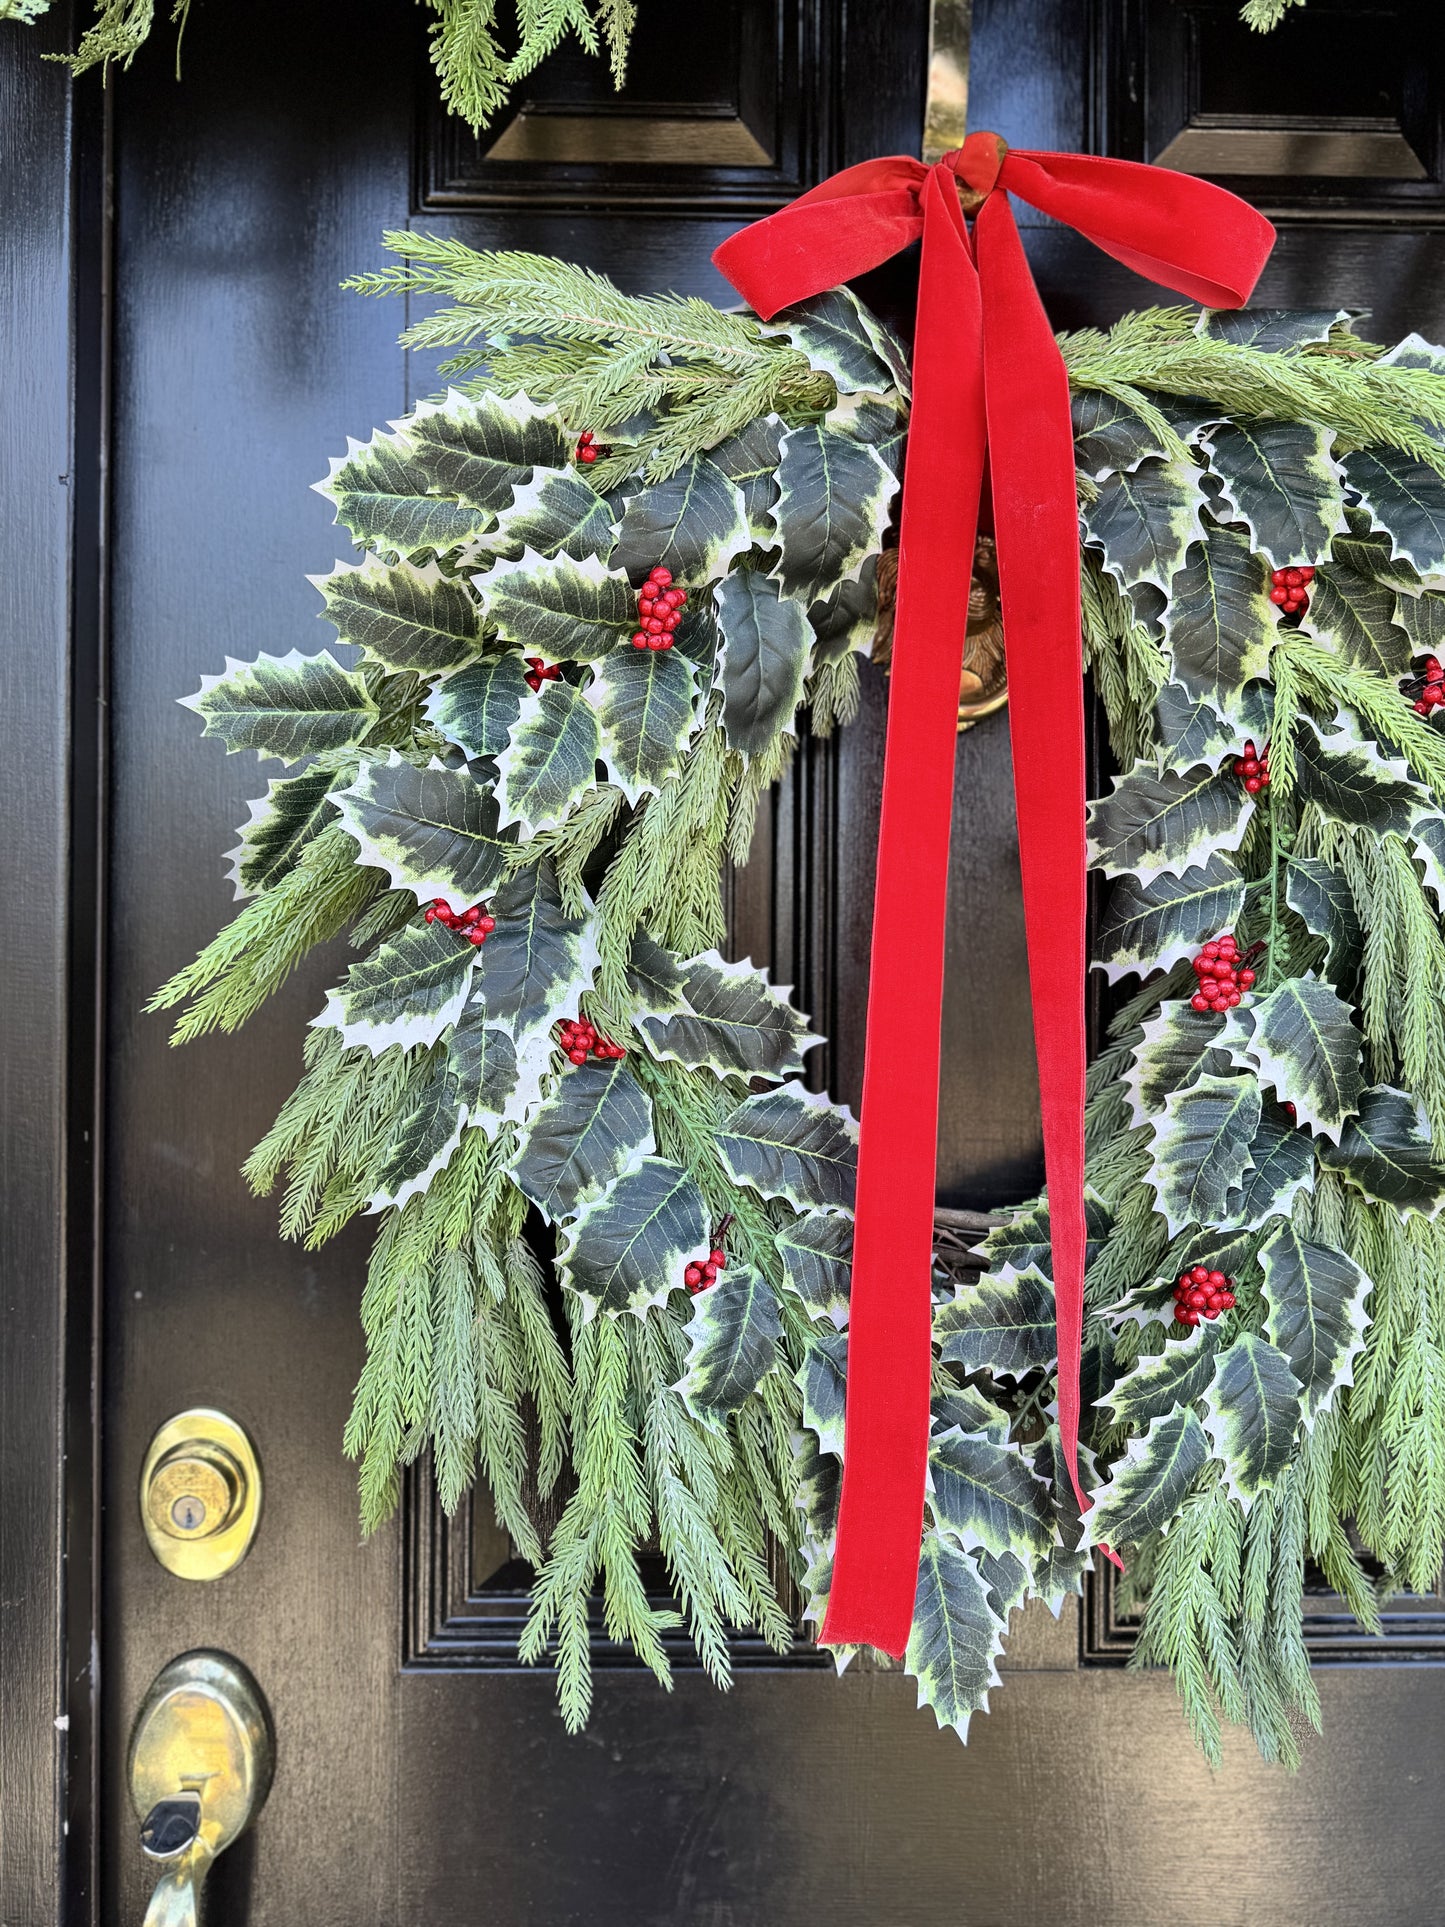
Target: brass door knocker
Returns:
[983, 686]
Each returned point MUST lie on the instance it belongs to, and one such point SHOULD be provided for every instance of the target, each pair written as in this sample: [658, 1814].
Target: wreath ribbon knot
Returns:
[989, 384]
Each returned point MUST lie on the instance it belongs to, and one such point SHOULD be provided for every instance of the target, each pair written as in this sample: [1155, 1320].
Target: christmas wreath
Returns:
[605, 576]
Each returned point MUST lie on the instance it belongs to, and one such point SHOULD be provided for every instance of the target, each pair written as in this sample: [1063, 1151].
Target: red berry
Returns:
[1187, 1315]
[587, 454]
[661, 575]
[1196, 1002]
[486, 925]
[1211, 1311]
[477, 937]
[1245, 979]
[693, 1275]
[639, 642]
[577, 1056]
[1306, 574]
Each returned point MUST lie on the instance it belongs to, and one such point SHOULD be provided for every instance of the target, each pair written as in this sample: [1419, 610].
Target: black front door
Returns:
[188, 366]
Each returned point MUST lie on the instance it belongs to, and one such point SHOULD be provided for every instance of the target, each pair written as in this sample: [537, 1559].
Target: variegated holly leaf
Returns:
[1145, 521]
[285, 706]
[1274, 330]
[1354, 615]
[835, 497]
[1220, 624]
[477, 449]
[382, 499]
[596, 1124]
[556, 513]
[882, 424]
[965, 1408]
[732, 1342]
[823, 1380]
[1007, 1577]
[402, 616]
[838, 335]
[1145, 1488]
[1422, 617]
[1191, 729]
[766, 642]
[1002, 1324]
[476, 708]
[750, 459]
[423, 1138]
[1368, 552]
[1406, 499]
[1282, 481]
[792, 1143]
[434, 830]
[1176, 1044]
[550, 760]
[1110, 438]
[695, 523]
[1304, 1046]
[1427, 845]
[1059, 1574]
[1318, 894]
[1200, 1149]
[1252, 1412]
[565, 610]
[629, 1248]
[407, 991]
[985, 1496]
[846, 619]
[654, 975]
[1415, 352]
[734, 1023]
[698, 637]
[538, 959]
[1159, 1383]
[817, 1488]
[1149, 926]
[1281, 1163]
[644, 704]
[1386, 1152]
[1166, 822]
[483, 1060]
[1314, 1301]
[1352, 780]
[956, 1638]
[292, 813]
[1023, 1240]
[817, 1255]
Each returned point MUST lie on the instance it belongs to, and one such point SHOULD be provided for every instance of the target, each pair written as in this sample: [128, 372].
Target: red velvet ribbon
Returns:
[987, 376]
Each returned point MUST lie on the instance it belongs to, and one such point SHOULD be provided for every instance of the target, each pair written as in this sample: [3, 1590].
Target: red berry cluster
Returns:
[659, 610]
[1201, 1293]
[539, 670]
[1289, 590]
[474, 924]
[699, 1276]
[581, 1040]
[1428, 688]
[589, 449]
[1253, 766]
[1223, 974]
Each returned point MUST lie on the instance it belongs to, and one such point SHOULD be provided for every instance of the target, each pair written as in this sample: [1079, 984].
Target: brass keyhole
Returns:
[200, 1494]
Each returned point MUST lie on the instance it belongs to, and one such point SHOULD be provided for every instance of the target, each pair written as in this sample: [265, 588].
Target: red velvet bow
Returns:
[986, 374]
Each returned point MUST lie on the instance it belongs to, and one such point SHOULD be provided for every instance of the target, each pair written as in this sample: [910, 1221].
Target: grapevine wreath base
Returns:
[603, 578]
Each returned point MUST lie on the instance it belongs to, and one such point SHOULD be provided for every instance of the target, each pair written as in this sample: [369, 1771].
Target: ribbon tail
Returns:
[1037, 536]
[890, 1359]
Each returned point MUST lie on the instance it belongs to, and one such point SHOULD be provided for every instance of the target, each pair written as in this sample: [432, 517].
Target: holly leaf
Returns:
[956, 1637]
[750, 459]
[1281, 480]
[1146, 1487]
[1273, 330]
[1422, 617]
[817, 1255]
[734, 1023]
[555, 513]
[1352, 780]
[732, 1342]
[1353, 614]
[565, 610]
[550, 760]
[538, 959]
[1304, 1046]
[434, 830]
[1176, 1044]
[1190, 728]
[483, 1060]
[1281, 1163]
[986, 1497]
[644, 704]
[881, 424]
[823, 1380]
[766, 641]
[839, 336]
[847, 619]
[1406, 499]
[1060, 1573]
[835, 496]
[793, 1144]
[1385, 1151]
[1003, 1324]
[1371, 554]
[477, 449]
[1251, 1415]
[407, 991]
[292, 813]
[1023, 1240]
[966, 1408]
[1220, 624]
[1314, 1300]
[698, 637]
[1144, 521]
[402, 616]
[382, 499]
[1164, 1381]
[596, 1124]
[695, 523]
[422, 1140]
[629, 1248]
[1166, 822]
[654, 975]
[1200, 1149]
[1110, 438]
[476, 708]
[285, 706]
[1149, 926]
[1319, 895]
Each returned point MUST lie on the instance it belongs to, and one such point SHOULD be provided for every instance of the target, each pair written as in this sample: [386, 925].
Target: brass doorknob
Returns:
[200, 1494]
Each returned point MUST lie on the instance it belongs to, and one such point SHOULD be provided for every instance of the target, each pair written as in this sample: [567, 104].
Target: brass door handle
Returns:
[201, 1755]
